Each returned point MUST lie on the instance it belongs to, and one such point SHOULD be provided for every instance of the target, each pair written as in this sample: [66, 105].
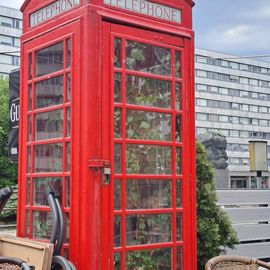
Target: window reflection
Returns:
[49, 92]
[48, 158]
[42, 223]
[147, 229]
[148, 159]
[148, 194]
[148, 58]
[40, 185]
[49, 125]
[49, 60]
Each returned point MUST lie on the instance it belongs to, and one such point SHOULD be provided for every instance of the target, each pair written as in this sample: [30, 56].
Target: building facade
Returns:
[10, 32]
[233, 98]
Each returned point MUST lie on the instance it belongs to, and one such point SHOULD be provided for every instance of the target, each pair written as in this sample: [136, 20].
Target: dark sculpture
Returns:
[216, 145]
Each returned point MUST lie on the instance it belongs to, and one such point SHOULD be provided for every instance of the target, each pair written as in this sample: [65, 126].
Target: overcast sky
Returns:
[239, 27]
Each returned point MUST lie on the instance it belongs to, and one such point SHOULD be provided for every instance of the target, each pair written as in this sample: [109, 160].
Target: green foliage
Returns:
[214, 230]
[8, 171]
[9, 214]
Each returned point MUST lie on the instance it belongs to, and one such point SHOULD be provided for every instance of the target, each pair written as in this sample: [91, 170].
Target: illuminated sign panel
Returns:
[148, 8]
[52, 10]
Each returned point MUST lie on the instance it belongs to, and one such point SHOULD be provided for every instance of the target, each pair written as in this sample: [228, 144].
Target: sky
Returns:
[237, 27]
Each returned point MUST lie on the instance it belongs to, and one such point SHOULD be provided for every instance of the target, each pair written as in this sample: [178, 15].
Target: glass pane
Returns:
[148, 229]
[117, 231]
[68, 122]
[49, 125]
[48, 157]
[156, 259]
[179, 258]
[148, 194]
[39, 189]
[67, 157]
[28, 190]
[148, 58]
[27, 223]
[117, 87]
[178, 227]
[117, 52]
[67, 228]
[117, 123]
[148, 92]
[117, 194]
[42, 225]
[68, 48]
[29, 159]
[30, 66]
[148, 125]
[29, 118]
[30, 97]
[49, 92]
[117, 261]
[68, 87]
[117, 158]
[49, 60]
[67, 191]
[177, 64]
[178, 193]
[178, 128]
[178, 161]
[178, 97]
[148, 159]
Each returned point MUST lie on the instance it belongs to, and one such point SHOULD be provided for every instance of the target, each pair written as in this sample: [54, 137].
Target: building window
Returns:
[263, 96]
[263, 109]
[244, 121]
[234, 161]
[254, 95]
[264, 123]
[254, 108]
[201, 73]
[234, 65]
[223, 91]
[263, 70]
[213, 118]
[238, 182]
[244, 67]
[201, 102]
[225, 105]
[235, 120]
[224, 118]
[213, 75]
[224, 63]
[244, 134]
[243, 80]
[201, 87]
[5, 21]
[253, 82]
[213, 103]
[6, 59]
[255, 121]
[235, 106]
[244, 107]
[201, 116]
[234, 133]
[201, 59]
[201, 130]
[214, 89]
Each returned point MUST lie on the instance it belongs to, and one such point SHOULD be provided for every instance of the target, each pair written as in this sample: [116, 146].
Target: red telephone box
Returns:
[107, 119]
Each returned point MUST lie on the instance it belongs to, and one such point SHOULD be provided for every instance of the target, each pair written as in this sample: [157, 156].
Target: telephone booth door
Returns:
[145, 197]
[48, 107]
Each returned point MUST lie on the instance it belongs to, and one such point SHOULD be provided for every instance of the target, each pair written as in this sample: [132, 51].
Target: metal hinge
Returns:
[103, 165]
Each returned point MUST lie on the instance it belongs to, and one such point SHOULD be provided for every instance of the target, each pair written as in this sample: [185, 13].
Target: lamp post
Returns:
[258, 158]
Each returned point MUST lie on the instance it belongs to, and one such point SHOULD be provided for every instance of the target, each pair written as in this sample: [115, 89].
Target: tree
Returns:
[8, 171]
[214, 229]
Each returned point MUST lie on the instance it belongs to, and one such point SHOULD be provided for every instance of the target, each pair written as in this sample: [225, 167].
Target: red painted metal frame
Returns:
[91, 132]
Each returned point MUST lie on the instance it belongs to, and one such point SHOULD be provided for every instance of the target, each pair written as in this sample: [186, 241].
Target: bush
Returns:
[214, 229]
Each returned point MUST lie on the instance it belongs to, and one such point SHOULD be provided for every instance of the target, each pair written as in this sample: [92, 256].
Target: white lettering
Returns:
[52, 10]
[148, 8]
[14, 113]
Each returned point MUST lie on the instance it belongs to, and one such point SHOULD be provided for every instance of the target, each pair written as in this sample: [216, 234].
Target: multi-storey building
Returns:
[10, 32]
[233, 97]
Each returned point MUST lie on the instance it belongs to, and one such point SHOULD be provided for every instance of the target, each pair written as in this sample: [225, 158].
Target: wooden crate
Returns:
[35, 253]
